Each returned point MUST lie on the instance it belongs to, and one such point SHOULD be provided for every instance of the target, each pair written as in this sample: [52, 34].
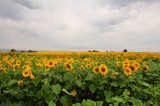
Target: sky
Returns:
[80, 25]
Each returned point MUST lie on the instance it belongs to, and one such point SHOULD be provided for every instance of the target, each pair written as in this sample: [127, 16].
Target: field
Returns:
[80, 79]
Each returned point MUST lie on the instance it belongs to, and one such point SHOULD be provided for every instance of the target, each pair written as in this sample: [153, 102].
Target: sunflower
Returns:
[127, 71]
[96, 70]
[125, 65]
[26, 73]
[100, 60]
[20, 83]
[145, 68]
[133, 68]
[103, 69]
[88, 65]
[126, 62]
[32, 76]
[51, 63]
[18, 61]
[10, 66]
[116, 64]
[136, 64]
[82, 65]
[68, 66]
[115, 74]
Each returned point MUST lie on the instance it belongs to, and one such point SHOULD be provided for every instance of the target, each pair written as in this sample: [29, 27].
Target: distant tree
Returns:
[31, 51]
[22, 51]
[93, 51]
[125, 50]
[12, 50]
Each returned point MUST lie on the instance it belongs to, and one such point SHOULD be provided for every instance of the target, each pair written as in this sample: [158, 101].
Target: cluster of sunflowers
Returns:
[109, 66]
[48, 60]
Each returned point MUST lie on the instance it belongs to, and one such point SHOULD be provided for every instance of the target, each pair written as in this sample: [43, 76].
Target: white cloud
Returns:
[81, 25]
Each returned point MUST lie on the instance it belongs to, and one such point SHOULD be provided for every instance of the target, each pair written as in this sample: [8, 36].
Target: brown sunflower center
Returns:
[103, 69]
[145, 68]
[26, 73]
[68, 66]
[97, 69]
[131, 67]
[50, 63]
[127, 71]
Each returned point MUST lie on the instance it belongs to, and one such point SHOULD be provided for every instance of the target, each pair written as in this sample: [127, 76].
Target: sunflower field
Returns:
[79, 79]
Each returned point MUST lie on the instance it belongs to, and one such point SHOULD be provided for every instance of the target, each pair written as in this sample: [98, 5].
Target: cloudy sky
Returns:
[80, 25]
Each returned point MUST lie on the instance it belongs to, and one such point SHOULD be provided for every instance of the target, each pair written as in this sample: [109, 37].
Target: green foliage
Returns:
[77, 87]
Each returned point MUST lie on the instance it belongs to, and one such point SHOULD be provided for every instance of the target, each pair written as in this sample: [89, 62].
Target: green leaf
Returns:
[12, 82]
[39, 94]
[30, 93]
[144, 84]
[26, 89]
[126, 92]
[49, 97]
[99, 103]
[56, 88]
[46, 87]
[51, 103]
[118, 99]
[122, 84]
[108, 94]
[136, 102]
[77, 104]
[92, 88]
[78, 83]
[89, 77]
[91, 103]
[84, 103]
[68, 86]
[65, 101]
[64, 90]
[37, 81]
[114, 83]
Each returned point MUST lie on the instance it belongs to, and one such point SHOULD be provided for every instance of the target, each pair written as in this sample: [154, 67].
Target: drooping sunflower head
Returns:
[96, 70]
[115, 74]
[103, 69]
[127, 71]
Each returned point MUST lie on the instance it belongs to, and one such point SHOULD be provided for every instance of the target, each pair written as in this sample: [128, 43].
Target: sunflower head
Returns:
[51, 63]
[68, 66]
[127, 71]
[88, 65]
[96, 70]
[26, 73]
[133, 68]
[136, 64]
[20, 83]
[115, 74]
[103, 69]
